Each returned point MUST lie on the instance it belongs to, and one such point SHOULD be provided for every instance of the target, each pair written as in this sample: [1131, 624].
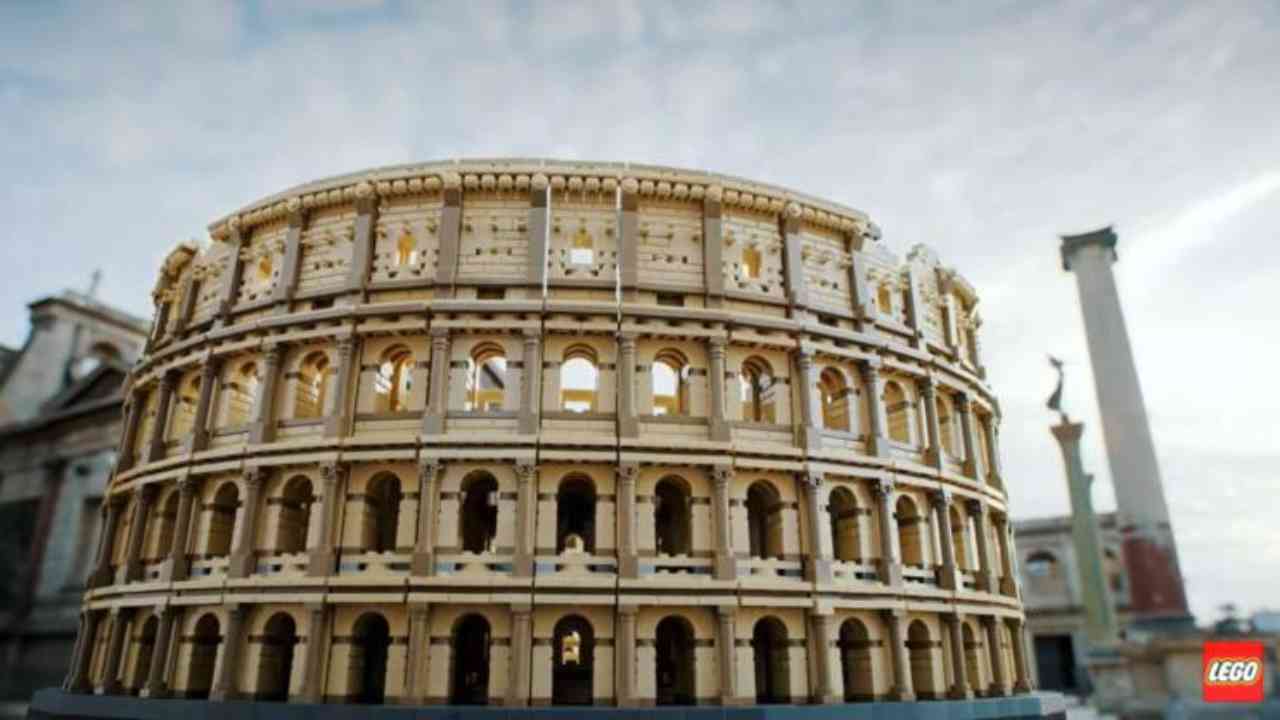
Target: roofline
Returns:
[105, 313]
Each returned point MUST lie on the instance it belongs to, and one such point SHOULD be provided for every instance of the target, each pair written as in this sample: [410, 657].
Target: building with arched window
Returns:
[499, 458]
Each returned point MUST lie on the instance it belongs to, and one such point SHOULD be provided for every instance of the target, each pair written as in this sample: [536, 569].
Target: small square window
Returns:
[671, 299]
[491, 293]
[322, 303]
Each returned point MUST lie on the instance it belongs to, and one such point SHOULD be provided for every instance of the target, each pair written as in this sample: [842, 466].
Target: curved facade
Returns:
[529, 432]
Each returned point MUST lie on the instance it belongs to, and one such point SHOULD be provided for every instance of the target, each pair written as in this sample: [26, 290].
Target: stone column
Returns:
[102, 575]
[969, 435]
[999, 671]
[338, 421]
[263, 428]
[224, 687]
[940, 500]
[1021, 674]
[539, 211]
[810, 407]
[438, 402]
[713, 247]
[725, 564]
[424, 561]
[818, 568]
[933, 453]
[902, 689]
[111, 684]
[244, 558]
[628, 562]
[190, 289]
[986, 578]
[531, 384]
[199, 438]
[793, 260]
[960, 690]
[288, 285]
[317, 639]
[79, 681]
[994, 477]
[820, 638]
[913, 309]
[417, 664]
[521, 655]
[155, 443]
[877, 432]
[179, 564]
[526, 514]
[157, 675]
[625, 656]
[890, 566]
[146, 496]
[233, 273]
[449, 234]
[719, 424]
[629, 238]
[133, 408]
[628, 424]
[322, 558]
[1008, 581]
[726, 645]
[362, 243]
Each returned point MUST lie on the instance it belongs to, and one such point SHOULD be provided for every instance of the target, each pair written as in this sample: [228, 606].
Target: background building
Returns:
[60, 399]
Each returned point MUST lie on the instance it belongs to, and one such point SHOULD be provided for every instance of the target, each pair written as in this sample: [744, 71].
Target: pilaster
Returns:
[449, 236]
[629, 239]
[363, 238]
[628, 562]
[157, 673]
[940, 502]
[626, 656]
[178, 565]
[233, 273]
[725, 564]
[713, 247]
[531, 385]
[539, 212]
[964, 407]
[810, 407]
[822, 687]
[263, 428]
[890, 564]
[818, 565]
[521, 655]
[224, 688]
[155, 443]
[424, 562]
[726, 647]
[288, 285]
[337, 422]
[434, 418]
[111, 684]
[902, 689]
[718, 422]
[145, 497]
[986, 579]
[628, 424]
[960, 689]
[929, 393]
[319, 617]
[877, 437]
[199, 438]
[526, 514]
[999, 670]
[322, 559]
[244, 557]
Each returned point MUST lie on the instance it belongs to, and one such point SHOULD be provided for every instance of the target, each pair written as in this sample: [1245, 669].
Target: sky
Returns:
[984, 130]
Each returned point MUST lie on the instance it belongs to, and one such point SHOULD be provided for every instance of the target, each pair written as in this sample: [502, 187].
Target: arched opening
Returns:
[947, 425]
[406, 251]
[382, 513]
[479, 513]
[911, 534]
[222, 520]
[241, 392]
[204, 656]
[898, 410]
[576, 516]
[275, 661]
[972, 650]
[764, 521]
[834, 394]
[582, 251]
[295, 516]
[959, 537]
[670, 384]
[394, 381]
[573, 663]
[369, 659]
[751, 262]
[855, 661]
[470, 683]
[844, 513]
[146, 640]
[756, 391]
[486, 378]
[671, 517]
[578, 380]
[772, 662]
[311, 386]
[184, 408]
[675, 662]
[920, 648]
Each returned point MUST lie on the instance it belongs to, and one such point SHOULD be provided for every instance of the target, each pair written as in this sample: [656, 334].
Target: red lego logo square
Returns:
[1232, 672]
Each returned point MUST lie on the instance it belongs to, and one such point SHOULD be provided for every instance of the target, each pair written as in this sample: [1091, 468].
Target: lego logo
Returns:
[1229, 671]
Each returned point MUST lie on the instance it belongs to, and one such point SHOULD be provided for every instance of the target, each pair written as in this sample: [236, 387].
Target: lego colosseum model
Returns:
[528, 432]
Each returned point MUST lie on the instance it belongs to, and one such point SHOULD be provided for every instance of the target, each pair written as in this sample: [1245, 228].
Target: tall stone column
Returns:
[317, 641]
[111, 684]
[902, 689]
[822, 687]
[629, 238]
[877, 438]
[417, 671]
[179, 564]
[719, 423]
[1008, 579]
[244, 557]
[968, 433]
[929, 393]
[999, 671]
[986, 578]
[199, 438]
[726, 647]
[539, 214]
[102, 575]
[79, 681]
[947, 574]
[157, 673]
[628, 424]
[960, 690]
[424, 561]
[1156, 593]
[1021, 673]
[526, 514]
[890, 564]
[322, 558]
[793, 261]
[232, 642]
[438, 402]
[145, 498]
[810, 407]
[337, 423]
[625, 656]
[263, 428]
[362, 242]
[233, 273]
[713, 246]
[531, 385]
[818, 568]
[725, 565]
[289, 266]
[449, 235]
[134, 407]
[155, 444]
[521, 655]
[628, 560]
[994, 477]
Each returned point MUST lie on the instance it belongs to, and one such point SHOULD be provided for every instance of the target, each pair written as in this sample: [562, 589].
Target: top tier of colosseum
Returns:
[541, 432]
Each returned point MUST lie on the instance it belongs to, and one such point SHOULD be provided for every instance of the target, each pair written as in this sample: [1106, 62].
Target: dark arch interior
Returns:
[275, 666]
[479, 522]
[576, 513]
[675, 661]
[384, 509]
[764, 524]
[842, 509]
[573, 662]
[470, 685]
[295, 516]
[204, 654]
[772, 665]
[856, 662]
[146, 645]
[369, 654]
[671, 518]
